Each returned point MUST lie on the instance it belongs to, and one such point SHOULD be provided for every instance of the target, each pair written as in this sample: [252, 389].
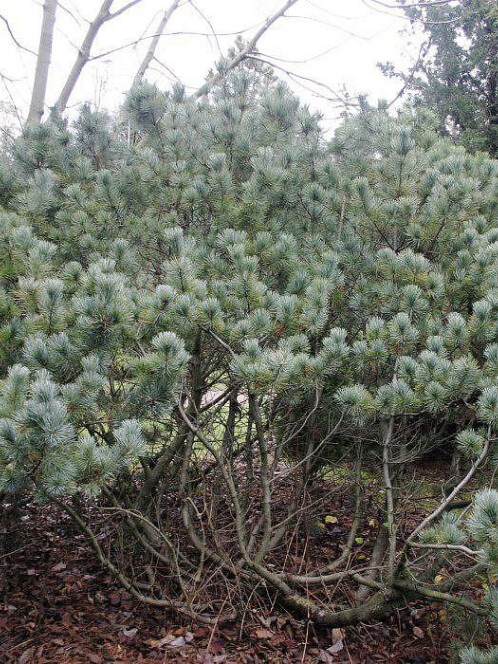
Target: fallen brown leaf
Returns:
[419, 633]
[159, 643]
[130, 633]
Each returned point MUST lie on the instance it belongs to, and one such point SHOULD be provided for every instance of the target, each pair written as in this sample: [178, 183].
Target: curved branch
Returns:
[246, 51]
[14, 39]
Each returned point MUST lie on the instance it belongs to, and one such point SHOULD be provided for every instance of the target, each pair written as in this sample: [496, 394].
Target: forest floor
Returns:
[57, 605]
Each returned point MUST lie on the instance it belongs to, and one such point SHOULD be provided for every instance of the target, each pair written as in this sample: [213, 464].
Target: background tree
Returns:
[456, 73]
[37, 105]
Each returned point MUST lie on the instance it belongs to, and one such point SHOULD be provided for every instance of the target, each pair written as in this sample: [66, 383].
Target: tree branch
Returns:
[13, 37]
[444, 503]
[149, 56]
[103, 16]
[246, 51]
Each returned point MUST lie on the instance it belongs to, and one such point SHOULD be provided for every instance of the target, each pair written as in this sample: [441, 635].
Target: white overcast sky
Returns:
[336, 42]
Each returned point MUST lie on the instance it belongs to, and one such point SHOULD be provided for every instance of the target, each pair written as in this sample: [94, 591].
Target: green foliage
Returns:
[365, 268]
[475, 656]
[456, 74]
[225, 275]
[483, 525]
[40, 448]
[446, 531]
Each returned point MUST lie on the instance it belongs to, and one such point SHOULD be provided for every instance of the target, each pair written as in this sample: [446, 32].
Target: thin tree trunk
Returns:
[386, 461]
[37, 105]
[149, 56]
[83, 55]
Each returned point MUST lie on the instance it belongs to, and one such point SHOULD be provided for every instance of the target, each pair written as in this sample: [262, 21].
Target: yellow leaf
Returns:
[438, 579]
[372, 523]
[331, 519]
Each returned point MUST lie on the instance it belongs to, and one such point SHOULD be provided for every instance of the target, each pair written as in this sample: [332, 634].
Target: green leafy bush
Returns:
[209, 307]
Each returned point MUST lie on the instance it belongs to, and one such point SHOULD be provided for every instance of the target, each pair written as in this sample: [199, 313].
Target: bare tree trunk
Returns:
[83, 55]
[149, 56]
[104, 15]
[37, 105]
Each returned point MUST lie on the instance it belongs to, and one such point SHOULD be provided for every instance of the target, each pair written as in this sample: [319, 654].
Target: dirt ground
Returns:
[57, 605]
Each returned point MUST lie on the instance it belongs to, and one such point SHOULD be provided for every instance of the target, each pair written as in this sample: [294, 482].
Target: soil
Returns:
[57, 605]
